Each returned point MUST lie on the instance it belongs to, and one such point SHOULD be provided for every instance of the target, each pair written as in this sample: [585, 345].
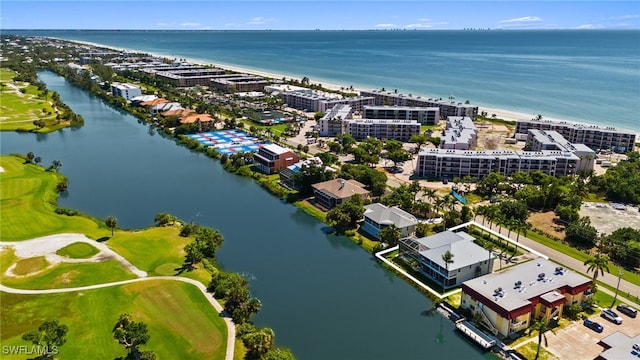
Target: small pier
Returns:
[483, 340]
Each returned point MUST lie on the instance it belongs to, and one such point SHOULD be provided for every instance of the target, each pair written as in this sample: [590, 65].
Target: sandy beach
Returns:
[500, 113]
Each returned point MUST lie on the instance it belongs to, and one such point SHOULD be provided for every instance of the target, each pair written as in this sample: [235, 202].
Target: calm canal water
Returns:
[324, 297]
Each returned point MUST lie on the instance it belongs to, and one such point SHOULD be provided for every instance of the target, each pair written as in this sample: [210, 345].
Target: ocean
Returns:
[587, 76]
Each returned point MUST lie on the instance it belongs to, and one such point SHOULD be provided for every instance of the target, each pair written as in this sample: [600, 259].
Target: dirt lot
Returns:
[543, 221]
[607, 219]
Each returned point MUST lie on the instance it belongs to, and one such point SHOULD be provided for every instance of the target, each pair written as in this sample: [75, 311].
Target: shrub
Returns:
[68, 212]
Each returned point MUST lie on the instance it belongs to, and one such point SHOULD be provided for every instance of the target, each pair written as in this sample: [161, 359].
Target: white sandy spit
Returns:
[48, 245]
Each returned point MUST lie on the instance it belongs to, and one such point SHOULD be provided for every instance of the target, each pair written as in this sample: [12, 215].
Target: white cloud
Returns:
[524, 19]
[190, 24]
[260, 20]
[164, 24]
[385, 26]
[589, 26]
[424, 20]
[418, 26]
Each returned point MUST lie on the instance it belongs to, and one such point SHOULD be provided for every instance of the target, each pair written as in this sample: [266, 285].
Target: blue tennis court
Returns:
[228, 141]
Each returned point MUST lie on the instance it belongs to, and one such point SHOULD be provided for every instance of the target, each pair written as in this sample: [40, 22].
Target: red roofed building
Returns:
[511, 300]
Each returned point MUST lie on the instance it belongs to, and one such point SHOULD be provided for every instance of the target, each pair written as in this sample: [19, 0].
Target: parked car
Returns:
[627, 310]
[611, 316]
[636, 347]
[593, 325]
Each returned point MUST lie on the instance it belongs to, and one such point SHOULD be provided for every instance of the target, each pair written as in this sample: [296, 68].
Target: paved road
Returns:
[609, 279]
[231, 330]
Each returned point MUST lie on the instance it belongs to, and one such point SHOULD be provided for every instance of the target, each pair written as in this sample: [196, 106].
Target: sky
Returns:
[317, 14]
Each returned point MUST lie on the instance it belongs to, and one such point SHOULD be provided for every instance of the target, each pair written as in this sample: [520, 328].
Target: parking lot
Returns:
[607, 219]
[578, 342]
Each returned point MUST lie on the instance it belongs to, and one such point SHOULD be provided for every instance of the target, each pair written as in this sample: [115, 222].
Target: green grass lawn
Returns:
[529, 351]
[27, 203]
[188, 328]
[78, 250]
[21, 108]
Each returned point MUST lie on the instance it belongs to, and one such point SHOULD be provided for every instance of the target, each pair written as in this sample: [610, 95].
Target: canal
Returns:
[325, 297]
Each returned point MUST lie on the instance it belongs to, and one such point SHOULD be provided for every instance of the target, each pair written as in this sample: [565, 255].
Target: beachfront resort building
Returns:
[190, 77]
[125, 90]
[595, 137]
[378, 216]
[328, 194]
[425, 116]
[239, 83]
[510, 300]
[447, 108]
[338, 120]
[316, 101]
[541, 140]
[272, 158]
[426, 253]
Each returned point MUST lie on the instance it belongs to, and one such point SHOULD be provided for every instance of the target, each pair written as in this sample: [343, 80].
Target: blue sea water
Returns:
[590, 76]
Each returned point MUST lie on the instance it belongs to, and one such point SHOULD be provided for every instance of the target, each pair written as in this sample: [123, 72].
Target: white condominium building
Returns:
[595, 137]
[447, 108]
[423, 115]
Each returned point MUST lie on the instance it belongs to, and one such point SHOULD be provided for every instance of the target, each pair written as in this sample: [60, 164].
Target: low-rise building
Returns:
[469, 259]
[334, 192]
[273, 158]
[287, 175]
[619, 346]
[378, 216]
[127, 91]
[510, 300]
[190, 77]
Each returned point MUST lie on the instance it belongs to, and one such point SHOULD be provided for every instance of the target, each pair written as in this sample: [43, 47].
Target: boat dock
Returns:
[483, 340]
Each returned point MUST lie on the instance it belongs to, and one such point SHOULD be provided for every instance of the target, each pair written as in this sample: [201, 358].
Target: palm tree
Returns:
[390, 235]
[541, 326]
[491, 247]
[598, 263]
[111, 223]
[447, 257]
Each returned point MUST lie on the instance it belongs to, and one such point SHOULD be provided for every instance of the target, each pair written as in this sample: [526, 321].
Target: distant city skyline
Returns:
[313, 14]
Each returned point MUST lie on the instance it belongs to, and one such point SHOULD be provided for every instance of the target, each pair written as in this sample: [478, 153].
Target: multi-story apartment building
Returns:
[272, 158]
[447, 108]
[401, 130]
[509, 301]
[332, 123]
[595, 137]
[127, 91]
[190, 77]
[460, 133]
[313, 101]
[425, 116]
[239, 83]
[448, 163]
[470, 260]
[541, 140]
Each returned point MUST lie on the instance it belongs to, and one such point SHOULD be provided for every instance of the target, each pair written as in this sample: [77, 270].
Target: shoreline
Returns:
[509, 115]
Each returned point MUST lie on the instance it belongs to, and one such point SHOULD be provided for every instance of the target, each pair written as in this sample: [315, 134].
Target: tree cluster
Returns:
[345, 216]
